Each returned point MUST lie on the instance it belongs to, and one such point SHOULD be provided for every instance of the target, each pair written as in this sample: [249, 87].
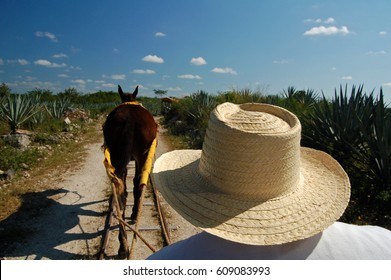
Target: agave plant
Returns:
[40, 117]
[301, 102]
[196, 115]
[377, 137]
[336, 126]
[289, 93]
[56, 108]
[17, 109]
[356, 130]
[199, 107]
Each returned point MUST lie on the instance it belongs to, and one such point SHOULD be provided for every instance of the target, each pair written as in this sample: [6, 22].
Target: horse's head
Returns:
[127, 97]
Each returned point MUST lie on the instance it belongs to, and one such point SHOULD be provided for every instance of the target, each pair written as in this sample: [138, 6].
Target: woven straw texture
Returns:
[252, 183]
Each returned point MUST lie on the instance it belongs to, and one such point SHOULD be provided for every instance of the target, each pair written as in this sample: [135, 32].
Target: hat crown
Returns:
[252, 150]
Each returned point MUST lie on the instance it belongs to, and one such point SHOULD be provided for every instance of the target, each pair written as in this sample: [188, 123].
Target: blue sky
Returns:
[185, 46]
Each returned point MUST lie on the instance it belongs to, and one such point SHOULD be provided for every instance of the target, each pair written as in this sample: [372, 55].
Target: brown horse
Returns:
[128, 133]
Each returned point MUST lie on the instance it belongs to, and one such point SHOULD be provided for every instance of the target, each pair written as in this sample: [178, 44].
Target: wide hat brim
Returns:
[318, 202]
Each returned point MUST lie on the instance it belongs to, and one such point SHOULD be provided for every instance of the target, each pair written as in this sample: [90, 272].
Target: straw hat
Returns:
[252, 183]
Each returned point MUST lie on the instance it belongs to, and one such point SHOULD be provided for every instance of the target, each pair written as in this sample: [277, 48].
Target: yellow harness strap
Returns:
[145, 171]
[107, 163]
[132, 103]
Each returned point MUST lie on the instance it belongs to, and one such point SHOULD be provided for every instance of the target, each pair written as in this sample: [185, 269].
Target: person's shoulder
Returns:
[197, 247]
[189, 248]
[171, 252]
[358, 229]
[347, 241]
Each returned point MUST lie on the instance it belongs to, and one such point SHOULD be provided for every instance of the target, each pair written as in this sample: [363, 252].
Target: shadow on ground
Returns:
[42, 225]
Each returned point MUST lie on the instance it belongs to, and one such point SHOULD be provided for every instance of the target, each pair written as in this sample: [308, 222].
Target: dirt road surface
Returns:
[72, 224]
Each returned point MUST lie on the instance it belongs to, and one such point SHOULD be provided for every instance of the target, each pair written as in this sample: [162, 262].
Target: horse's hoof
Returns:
[133, 217]
[122, 255]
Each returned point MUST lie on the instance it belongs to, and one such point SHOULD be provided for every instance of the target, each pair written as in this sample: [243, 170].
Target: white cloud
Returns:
[1, 61]
[144, 72]
[139, 86]
[382, 52]
[79, 82]
[17, 61]
[153, 59]
[43, 62]
[109, 85]
[118, 76]
[331, 30]
[75, 67]
[30, 78]
[160, 34]
[99, 81]
[63, 76]
[60, 55]
[48, 35]
[174, 89]
[347, 78]
[310, 20]
[28, 84]
[330, 20]
[47, 63]
[23, 61]
[198, 61]
[387, 84]
[189, 76]
[224, 71]
[282, 61]
[383, 33]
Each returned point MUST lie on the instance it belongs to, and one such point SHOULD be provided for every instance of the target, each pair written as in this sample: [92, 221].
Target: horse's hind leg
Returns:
[123, 251]
[137, 190]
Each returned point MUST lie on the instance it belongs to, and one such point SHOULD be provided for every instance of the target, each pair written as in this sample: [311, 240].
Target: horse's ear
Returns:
[135, 92]
[121, 93]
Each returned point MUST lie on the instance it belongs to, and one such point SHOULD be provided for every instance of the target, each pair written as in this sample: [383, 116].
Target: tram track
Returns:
[153, 229]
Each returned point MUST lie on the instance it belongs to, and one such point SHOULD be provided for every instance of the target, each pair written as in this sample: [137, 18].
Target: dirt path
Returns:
[71, 226]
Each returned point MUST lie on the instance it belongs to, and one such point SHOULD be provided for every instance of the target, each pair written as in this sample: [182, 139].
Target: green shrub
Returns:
[240, 96]
[189, 117]
[153, 105]
[14, 158]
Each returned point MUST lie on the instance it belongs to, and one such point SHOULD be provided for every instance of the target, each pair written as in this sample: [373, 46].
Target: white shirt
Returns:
[339, 241]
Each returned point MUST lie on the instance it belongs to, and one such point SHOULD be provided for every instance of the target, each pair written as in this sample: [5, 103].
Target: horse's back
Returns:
[134, 115]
